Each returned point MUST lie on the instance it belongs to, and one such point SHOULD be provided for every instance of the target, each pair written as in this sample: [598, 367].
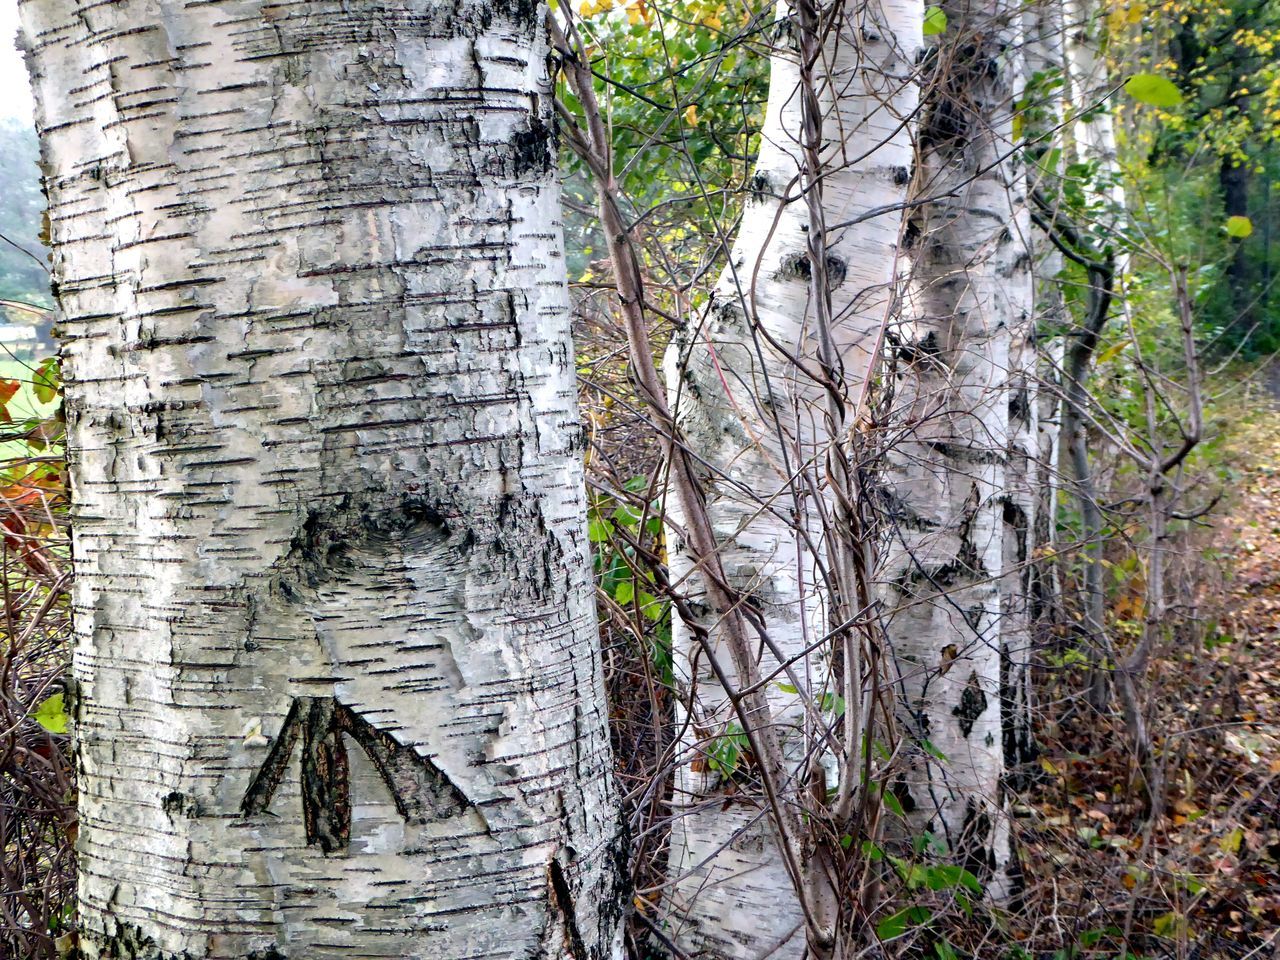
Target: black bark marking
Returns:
[326, 777]
[973, 701]
[925, 349]
[125, 942]
[974, 843]
[562, 902]
[420, 790]
[534, 150]
[798, 266]
[1019, 405]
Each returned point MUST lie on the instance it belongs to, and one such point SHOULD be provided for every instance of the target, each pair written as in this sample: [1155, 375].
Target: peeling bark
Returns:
[336, 648]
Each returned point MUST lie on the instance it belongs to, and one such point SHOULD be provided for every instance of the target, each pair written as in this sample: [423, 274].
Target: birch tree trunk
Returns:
[339, 694]
[1094, 132]
[1036, 356]
[744, 385]
[968, 301]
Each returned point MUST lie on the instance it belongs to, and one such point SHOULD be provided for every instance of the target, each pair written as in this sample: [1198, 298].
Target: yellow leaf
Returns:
[1231, 842]
[691, 114]
[1239, 227]
[1169, 925]
[1111, 352]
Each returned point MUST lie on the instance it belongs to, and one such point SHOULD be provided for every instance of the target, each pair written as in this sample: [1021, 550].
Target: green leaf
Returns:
[626, 515]
[893, 803]
[625, 591]
[1153, 89]
[1169, 925]
[931, 750]
[652, 607]
[948, 876]
[935, 21]
[52, 715]
[787, 688]
[896, 924]
[1239, 227]
[599, 531]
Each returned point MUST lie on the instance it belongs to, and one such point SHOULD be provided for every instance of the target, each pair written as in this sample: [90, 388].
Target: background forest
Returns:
[1143, 795]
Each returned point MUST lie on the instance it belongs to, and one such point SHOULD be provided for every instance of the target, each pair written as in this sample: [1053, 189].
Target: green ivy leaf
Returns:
[1153, 89]
[935, 21]
[1239, 227]
[52, 715]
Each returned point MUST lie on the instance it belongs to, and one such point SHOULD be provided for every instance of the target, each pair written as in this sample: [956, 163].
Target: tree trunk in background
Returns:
[760, 425]
[1029, 593]
[969, 303]
[339, 694]
[1089, 87]
[1088, 84]
[1233, 180]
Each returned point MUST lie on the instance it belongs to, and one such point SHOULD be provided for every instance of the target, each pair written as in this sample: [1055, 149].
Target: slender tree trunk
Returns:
[753, 393]
[1028, 593]
[1095, 141]
[1089, 86]
[970, 300]
[339, 694]
[1233, 180]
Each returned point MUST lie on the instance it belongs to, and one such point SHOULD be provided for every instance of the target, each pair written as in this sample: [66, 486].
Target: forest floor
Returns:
[1202, 883]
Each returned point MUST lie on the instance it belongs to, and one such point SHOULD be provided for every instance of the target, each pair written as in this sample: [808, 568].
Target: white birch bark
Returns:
[759, 425]
[1090, 86]
[1033, 415]
[968, 297]
[339, 693]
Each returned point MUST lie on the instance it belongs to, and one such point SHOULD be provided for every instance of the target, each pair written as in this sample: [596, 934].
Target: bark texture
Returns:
[961, 407]
[746, 393]
[339, 693]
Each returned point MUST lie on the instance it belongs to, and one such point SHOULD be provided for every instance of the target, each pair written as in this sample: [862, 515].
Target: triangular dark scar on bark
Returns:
[421, 791]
